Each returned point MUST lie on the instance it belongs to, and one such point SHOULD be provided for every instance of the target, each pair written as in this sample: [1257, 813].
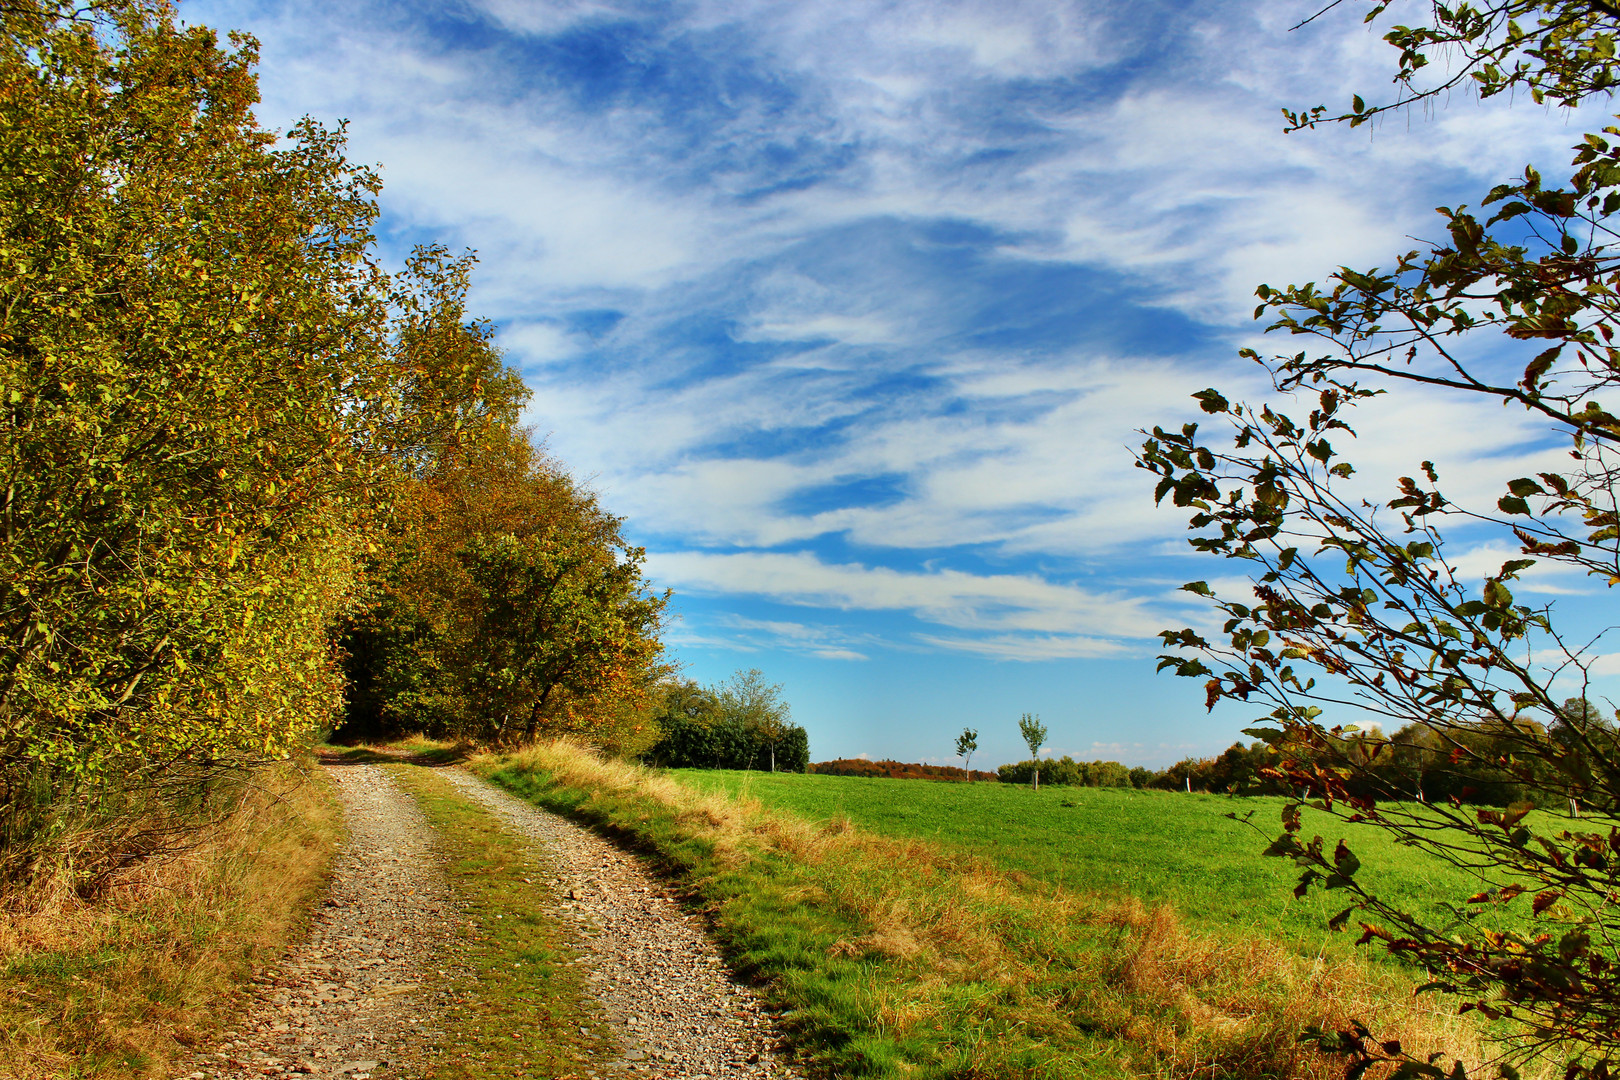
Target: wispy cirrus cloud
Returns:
[854, 309]
[996, 604]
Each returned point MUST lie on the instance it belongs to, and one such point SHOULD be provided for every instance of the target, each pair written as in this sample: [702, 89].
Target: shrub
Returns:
[1066, 770]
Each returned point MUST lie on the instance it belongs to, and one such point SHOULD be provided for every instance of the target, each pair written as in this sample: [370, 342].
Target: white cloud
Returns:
[1170, 176]
[539, 342]
[1596, 664]
[1472, 566]
[1032, 647]
[1002, 603]
[1106, 751]
[826, 642]
[547, 17]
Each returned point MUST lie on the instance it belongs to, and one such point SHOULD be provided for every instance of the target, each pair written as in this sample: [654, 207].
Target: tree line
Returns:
[247, 470]
[1481, 762]
[741, 723]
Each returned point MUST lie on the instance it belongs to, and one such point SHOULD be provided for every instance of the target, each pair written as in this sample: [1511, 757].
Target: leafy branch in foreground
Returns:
[1359, 604]
[1560, 51]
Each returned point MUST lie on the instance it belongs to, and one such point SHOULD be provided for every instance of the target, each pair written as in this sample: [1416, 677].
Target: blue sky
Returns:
[853, 309]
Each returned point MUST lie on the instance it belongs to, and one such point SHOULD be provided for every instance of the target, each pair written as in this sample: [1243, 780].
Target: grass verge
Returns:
[519, 1008]
[900, 957]
[124, 985]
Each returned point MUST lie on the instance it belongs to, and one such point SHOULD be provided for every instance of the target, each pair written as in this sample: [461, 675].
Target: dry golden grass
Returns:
[956, 947]
[123, 985]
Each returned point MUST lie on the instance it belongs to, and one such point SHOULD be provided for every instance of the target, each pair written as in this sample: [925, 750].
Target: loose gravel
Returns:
[659, 980]
[358, 997]
[351, 1001]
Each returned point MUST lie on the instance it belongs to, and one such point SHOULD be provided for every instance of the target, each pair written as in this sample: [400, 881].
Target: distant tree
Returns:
[966, 743]
[558, 619]
[792, 754]
[749, 700]
[893, 770]
[686, 699]
[1034, 733]
[1578, 714]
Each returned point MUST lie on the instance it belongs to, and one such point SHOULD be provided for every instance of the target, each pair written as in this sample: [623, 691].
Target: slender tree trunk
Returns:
[773, 757]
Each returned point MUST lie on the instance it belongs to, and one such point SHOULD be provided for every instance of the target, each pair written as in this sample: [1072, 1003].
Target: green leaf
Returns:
[1524, 487]
[1512, 504]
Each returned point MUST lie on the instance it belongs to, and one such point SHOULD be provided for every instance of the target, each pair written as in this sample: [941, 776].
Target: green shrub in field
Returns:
[1066, 770]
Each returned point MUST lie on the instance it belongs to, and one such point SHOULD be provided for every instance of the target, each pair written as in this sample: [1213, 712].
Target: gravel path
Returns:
[658, 978]
[350, 1001]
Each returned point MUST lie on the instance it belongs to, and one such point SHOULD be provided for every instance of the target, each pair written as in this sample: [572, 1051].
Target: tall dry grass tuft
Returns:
[996, 976]
[122, 982]
[1218, 1006]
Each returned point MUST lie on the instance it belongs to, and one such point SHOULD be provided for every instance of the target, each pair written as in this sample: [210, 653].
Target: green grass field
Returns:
[910, 929]
[1160, 846]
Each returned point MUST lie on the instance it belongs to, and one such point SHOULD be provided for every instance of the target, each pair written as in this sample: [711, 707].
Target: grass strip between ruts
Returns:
[520, 1007]
[894, 957]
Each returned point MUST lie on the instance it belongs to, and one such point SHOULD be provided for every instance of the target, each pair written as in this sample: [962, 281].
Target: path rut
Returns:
[358, 998]
[351, 1001]
[658, 978]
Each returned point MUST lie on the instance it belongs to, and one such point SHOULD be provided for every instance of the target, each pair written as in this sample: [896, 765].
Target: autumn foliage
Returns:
[507, 605]
[226, 433]
[897, 770]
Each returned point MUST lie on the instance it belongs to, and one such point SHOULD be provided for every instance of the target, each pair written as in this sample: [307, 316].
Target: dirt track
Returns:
[358, 999]
[659, 980]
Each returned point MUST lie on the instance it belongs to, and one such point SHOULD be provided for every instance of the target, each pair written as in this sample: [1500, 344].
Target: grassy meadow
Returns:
[1160, 847]
[911, 929]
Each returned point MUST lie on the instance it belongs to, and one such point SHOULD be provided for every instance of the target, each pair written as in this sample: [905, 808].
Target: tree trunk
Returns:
[1035, 778]
[773, 757]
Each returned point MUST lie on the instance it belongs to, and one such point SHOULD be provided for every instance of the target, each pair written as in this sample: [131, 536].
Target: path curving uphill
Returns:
[357, 1000]
[351, 1001]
